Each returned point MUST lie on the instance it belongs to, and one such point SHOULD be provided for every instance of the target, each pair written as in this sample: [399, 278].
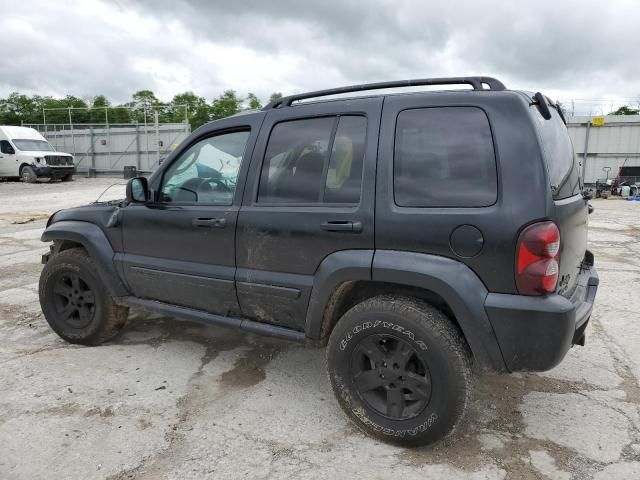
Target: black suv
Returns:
[417, 234]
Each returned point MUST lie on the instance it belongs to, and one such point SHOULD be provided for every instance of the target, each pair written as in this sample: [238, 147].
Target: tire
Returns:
[28, 174]
[421, 377]
[67, 178]
[76, 303]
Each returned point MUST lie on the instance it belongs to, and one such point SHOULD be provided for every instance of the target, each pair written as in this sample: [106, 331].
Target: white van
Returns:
[26, 154]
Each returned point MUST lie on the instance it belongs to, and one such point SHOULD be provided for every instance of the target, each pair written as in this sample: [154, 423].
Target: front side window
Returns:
[207, 172]
[5, 147]
[317, 160]
[444, 157]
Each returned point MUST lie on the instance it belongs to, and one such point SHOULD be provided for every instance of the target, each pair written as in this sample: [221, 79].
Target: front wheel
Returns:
[400, 370]
[28, 174]
[67, 178]
[75, 302]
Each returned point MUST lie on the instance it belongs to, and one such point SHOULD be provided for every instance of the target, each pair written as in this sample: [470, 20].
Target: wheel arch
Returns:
[447, 284]
[72, 234]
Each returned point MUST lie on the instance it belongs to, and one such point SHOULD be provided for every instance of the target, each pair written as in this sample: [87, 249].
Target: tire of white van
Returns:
[28, 174]
[67, 178]
[400, 370]
[75, 302]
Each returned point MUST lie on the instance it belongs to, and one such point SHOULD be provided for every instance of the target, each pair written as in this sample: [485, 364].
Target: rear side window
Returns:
[560, 159]
[316, 160]
[444, 157]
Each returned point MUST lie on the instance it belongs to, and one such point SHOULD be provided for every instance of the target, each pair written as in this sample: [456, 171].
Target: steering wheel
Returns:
[220, 185]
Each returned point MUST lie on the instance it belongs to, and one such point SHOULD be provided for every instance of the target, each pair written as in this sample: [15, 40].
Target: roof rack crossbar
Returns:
[476, 82]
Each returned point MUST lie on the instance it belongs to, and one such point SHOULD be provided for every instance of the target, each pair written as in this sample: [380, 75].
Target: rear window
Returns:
[562, 165]
[444, 157]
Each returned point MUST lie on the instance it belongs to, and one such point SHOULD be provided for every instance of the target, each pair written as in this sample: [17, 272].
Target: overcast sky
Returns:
[582, 50]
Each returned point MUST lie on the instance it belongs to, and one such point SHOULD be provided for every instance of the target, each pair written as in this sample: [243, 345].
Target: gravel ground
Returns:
[174, 399]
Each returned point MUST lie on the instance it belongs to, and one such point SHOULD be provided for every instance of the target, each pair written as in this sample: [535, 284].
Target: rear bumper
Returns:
[535, 333]
[54, 172]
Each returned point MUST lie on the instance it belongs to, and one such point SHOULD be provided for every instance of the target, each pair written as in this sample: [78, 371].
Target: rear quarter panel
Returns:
[523, 192]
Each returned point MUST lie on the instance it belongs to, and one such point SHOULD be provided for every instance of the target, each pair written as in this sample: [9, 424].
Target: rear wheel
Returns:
[400, 370]
[67, 178]
[75, 302]
[28, 174]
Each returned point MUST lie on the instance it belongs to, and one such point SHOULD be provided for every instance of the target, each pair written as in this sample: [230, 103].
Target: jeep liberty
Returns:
[415, 234]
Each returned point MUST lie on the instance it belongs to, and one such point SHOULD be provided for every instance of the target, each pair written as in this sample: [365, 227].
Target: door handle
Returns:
[341, 226]
[210, 222]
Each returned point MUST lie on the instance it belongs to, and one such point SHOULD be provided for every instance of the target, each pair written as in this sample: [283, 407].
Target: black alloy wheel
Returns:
[74, 300]
[390, 377]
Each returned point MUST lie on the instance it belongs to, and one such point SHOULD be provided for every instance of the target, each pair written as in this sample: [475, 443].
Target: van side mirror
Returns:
[137, 190]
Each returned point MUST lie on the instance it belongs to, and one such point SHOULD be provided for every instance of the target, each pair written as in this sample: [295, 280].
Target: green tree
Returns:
[275, 96]
[225, 105]
[19, 108]
[120, 114]
[197, 109]
[253, 102]
[142, 105]
[97, 111]
[625, 110]
[57, 110]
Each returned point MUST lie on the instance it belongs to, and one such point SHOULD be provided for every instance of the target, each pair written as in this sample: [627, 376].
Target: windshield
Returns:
[33, 145]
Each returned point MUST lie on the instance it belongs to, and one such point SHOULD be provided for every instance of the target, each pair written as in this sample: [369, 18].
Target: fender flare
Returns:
[336, 269]
[457, 284]
[93, 239]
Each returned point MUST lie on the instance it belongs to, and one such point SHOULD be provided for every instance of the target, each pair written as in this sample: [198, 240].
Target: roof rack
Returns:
[476, 82]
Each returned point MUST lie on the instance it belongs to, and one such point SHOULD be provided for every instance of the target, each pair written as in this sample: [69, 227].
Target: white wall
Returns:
[614, 144]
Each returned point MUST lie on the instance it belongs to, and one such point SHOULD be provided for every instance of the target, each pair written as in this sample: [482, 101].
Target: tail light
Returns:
[538, 259]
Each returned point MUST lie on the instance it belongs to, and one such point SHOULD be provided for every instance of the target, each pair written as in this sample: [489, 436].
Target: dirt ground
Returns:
[172, 399]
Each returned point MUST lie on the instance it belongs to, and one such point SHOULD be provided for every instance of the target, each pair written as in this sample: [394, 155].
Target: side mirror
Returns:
[137, 190]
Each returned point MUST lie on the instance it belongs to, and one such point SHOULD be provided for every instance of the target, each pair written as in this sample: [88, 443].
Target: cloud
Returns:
[569, 49]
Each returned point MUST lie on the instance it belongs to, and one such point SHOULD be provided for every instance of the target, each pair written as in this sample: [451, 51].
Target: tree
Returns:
[625, 110]
[97, 112]
[254, 102]
[197, 109]
[142, 104]
[225, 105]
[19, 108]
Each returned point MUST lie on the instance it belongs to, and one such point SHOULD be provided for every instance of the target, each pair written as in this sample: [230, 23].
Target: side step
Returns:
[212, 319]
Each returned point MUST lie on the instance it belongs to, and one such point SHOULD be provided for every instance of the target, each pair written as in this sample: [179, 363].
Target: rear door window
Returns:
[444, 157]
[562, 165]
[315, 160]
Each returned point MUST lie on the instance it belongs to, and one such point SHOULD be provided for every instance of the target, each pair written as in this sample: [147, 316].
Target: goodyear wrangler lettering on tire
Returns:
[400, 370]
[365, 325]
[359, 412]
